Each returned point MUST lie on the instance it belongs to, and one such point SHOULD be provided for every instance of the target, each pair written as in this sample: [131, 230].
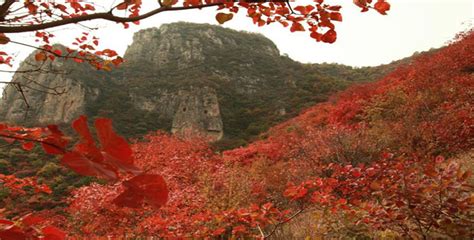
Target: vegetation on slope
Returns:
[390, 159]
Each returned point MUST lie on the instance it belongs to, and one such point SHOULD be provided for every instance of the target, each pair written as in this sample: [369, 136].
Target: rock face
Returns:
[192, 112]
[49, 96]
[198, 113]
[189, 79]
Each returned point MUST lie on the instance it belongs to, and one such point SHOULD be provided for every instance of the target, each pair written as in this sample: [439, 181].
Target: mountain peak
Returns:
[190, 42]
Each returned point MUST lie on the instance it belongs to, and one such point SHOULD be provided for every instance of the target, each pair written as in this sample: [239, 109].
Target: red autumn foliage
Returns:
[393, 156]
[376, 157]
[17, 185]
[86, 158]
[38, 17]
[29, 227]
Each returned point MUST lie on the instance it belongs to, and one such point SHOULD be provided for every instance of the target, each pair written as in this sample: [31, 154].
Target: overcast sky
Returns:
[364, 39]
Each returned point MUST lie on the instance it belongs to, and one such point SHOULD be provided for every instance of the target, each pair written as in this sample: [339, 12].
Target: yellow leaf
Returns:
[224, 17]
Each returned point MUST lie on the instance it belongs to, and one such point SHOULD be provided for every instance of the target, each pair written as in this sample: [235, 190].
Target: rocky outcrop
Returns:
[193, 112]
[198, 114]
[49, 95]
[181, 44]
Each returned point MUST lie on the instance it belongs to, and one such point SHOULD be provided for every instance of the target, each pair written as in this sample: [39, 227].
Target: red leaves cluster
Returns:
[17, 185]
[88, 159]
[382, 6]
[29, 227]
[107, 160]
[316, 18]
[51, 138]
[113, 156]
[37, 13]
[4, 58]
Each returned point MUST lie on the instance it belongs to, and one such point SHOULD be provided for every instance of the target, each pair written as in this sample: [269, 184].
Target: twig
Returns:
[34, 140]
[261, 232]
[283, 222]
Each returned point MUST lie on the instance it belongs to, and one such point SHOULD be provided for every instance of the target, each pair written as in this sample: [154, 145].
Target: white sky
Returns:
[364, 39]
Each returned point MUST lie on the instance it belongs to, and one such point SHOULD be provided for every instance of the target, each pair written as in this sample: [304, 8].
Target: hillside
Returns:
[383, 160]
[183, 78]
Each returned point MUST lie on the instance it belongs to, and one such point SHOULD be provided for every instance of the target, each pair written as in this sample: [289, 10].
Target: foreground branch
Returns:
[105, 16]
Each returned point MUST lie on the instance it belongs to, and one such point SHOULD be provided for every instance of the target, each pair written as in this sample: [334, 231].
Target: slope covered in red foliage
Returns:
[384, 159]
[390, 157]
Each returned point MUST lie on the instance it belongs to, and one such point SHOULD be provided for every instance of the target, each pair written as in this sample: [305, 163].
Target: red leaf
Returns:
[356, 172]
[122, 6]
[382, 7]
[341, 201]
[316, 36]
[329, 37]
[115, 148]
[129, 199]
[6, 222]
[81, 127]
[335, 16]
[58, 52]
[218, 232]
[334, 8]
[78, 60]
[361, 3]
[85, 165]
[304, 9]
[32, 8]
[28, 146]
[147, 187]
[12, 233]
[87, 159]
[53, 233]
[30, 220]
[296, 26]
[117, 61]
[57, 139]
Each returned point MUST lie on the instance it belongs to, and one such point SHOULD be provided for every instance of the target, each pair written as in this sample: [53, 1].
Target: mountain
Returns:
[190, 79]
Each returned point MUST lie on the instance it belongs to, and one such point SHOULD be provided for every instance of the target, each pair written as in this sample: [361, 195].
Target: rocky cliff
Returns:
[190, 79]
[54, 94]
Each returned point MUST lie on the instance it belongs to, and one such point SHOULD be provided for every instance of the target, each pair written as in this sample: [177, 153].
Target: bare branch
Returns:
[283, 222]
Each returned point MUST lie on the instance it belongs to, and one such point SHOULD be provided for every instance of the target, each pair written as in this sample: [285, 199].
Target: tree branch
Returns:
[104, 15]
[4, 8]
[283, 222]
[33, 140]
